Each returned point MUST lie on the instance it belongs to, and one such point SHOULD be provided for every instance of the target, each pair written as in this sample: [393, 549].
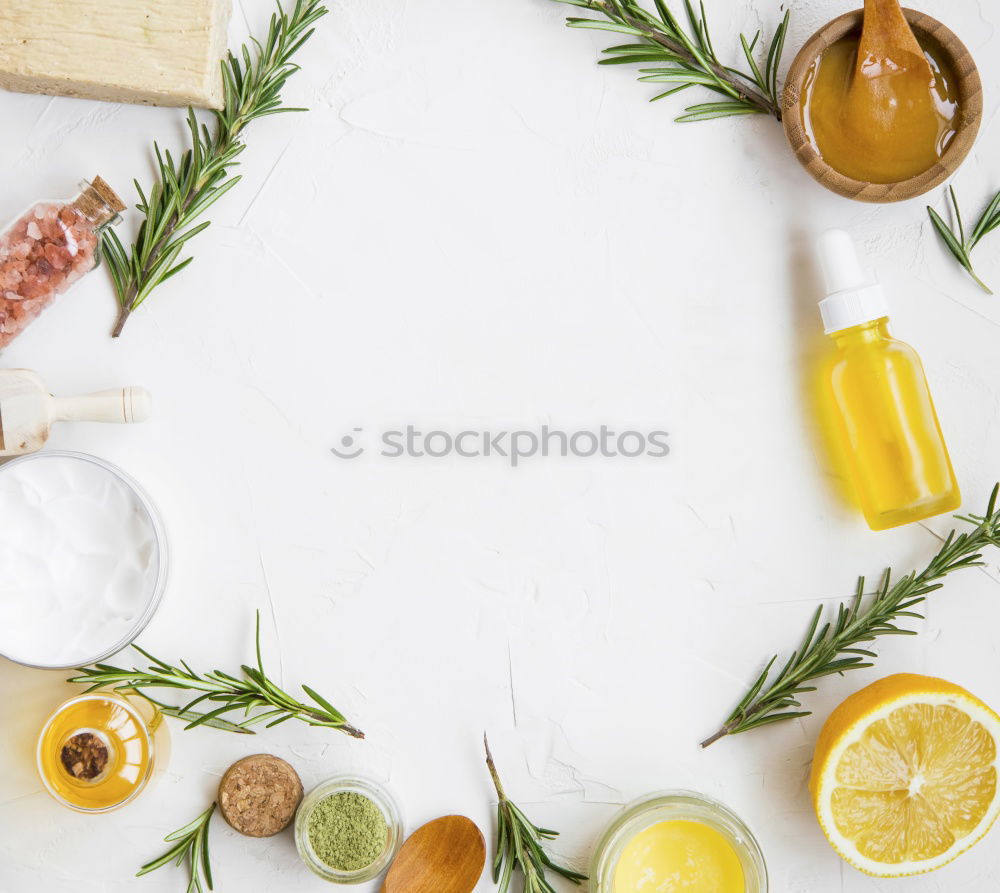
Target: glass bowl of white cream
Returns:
[83, 560]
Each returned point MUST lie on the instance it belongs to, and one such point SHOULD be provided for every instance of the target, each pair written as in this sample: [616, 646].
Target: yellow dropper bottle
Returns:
[881, 405]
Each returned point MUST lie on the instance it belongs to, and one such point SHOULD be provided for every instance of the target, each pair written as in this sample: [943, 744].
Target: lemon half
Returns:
[904, 777]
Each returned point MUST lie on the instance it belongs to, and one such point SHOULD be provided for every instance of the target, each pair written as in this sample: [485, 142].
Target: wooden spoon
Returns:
[887, 42]
[446, 855]
[889, 98]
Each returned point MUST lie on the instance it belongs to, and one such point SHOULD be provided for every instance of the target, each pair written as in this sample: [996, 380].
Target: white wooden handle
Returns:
[117, 405]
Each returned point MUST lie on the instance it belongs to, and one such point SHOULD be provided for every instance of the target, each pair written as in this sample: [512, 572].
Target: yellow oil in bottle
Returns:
[97, 751]
[876, 403]
[888, 429]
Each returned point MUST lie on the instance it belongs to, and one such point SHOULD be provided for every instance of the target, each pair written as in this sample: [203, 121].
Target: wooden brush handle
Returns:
[124, 405]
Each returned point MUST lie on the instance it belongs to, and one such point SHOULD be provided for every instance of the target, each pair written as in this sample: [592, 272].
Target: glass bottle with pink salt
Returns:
[48, 248]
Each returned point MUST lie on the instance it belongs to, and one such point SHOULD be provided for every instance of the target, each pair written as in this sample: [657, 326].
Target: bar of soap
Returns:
[158, 52]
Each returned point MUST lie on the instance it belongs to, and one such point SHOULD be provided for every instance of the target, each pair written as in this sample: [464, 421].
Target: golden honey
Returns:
[887, 123]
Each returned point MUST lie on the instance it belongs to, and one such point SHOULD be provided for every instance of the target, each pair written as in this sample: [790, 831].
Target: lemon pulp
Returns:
[679, 855]
[915, 783]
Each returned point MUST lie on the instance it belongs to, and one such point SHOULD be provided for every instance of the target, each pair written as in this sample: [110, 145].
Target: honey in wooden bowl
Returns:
[884, 128]
[901, 147]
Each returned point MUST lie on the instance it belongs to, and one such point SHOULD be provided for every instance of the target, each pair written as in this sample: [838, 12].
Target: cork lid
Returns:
[98, 202]
[259, 794]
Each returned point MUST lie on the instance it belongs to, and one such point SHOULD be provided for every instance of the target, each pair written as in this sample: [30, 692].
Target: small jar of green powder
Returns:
[348, 830]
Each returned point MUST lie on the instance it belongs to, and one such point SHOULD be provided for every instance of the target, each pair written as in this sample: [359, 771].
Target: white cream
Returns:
[79, 560]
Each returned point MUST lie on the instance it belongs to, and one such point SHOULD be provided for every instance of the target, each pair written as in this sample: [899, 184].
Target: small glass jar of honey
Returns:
[99, 750]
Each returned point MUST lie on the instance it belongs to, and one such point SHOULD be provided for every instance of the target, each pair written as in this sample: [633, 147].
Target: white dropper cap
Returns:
[853, 295]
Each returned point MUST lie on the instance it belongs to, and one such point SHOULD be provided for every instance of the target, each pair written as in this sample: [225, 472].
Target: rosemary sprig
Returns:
[188, 715]
[249, 694]
[835, 647]
[519, 845]
[957, 243]
[686, 58]
[252, 84]
[190, 845]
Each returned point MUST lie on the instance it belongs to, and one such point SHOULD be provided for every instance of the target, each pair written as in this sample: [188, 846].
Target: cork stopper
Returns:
[98, 202]
[259, 794]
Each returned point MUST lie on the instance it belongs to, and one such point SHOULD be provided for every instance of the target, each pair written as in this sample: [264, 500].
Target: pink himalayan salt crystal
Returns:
[46, 250]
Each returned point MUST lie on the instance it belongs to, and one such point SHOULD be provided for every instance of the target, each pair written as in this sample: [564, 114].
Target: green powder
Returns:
[347, 831]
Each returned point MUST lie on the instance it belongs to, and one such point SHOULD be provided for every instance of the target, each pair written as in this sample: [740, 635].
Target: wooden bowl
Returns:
[970, 105]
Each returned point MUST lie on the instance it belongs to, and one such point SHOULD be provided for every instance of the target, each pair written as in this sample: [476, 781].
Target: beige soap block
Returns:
[160, 52]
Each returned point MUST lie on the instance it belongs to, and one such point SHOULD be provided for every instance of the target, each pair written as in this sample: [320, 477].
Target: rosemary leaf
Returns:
[189, 715]
[833, 648]
[250, 692]
[190, 844]
[519, 845]
[956, 242]
[185, 189]
[687, 56]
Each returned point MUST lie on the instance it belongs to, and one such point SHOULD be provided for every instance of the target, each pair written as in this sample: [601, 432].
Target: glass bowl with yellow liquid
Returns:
[680, 836]
[99, 751]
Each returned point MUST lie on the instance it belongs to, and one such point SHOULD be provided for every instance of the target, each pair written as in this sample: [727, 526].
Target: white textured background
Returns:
[476, 226]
